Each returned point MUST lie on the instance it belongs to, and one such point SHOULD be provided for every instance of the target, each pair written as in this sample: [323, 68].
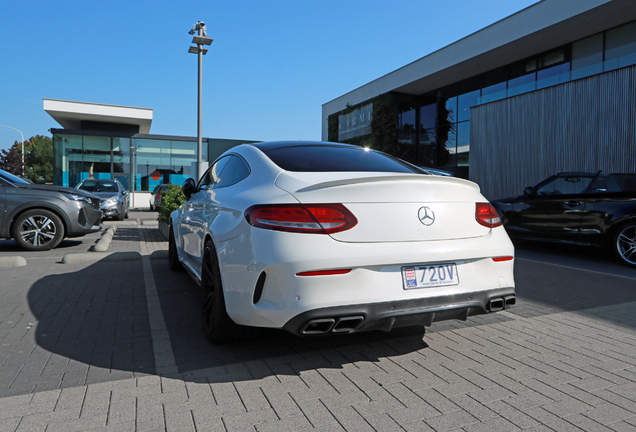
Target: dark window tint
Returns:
[565, 185]
[211, 176]
[233, 172]
[624, 182]
[97, 186]
[327, 158]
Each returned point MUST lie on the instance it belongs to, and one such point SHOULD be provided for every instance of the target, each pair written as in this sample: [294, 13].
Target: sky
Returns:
[271, 67]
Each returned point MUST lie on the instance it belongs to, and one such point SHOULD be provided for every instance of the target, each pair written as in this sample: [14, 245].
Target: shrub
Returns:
[171, 199]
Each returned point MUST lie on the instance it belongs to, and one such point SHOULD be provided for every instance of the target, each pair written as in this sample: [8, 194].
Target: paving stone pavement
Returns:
[93, 347]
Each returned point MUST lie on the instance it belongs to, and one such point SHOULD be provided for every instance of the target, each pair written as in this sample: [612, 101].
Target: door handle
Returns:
[573, 203]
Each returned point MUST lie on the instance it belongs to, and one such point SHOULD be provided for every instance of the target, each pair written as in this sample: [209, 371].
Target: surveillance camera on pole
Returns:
[200, 39]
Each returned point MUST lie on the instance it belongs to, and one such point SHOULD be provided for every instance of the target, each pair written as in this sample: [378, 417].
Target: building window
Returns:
[463, 143]
[427, 148]
[620, 47]
[121, 161]
[522, 77]
[587, 57]
[406, 136]
[554, 68]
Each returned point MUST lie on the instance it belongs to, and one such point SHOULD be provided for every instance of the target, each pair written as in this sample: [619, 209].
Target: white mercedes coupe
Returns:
[322, 238]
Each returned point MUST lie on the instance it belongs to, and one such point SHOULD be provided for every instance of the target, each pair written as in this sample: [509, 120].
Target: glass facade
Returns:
[138, 162]
[443, 132]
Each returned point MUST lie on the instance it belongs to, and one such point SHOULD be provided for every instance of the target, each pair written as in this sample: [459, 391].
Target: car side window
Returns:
[604, 184]
[565, 185]
[234, 171]
[211, 176]
[623, 182]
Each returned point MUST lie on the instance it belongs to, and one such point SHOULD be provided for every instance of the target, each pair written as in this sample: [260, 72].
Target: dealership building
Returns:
[114, 142]
[549, 89]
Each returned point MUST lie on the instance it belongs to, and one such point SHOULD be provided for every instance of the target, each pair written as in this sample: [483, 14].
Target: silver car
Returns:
[115, 200]
[38, 217]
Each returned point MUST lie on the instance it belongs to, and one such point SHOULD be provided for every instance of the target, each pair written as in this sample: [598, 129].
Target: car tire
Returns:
[173, 258]
[152, 207]
[625, 244]
[121, 216]
[38, 230]
[219, 327]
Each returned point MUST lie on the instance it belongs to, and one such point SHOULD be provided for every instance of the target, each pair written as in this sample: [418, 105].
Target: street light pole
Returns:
[22, 167]
[200, 40]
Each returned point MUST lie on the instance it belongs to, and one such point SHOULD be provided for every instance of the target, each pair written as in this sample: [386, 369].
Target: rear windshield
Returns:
[327, 158]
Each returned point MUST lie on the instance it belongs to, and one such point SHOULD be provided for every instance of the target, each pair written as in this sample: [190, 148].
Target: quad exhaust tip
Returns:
[497, 304]
[318, 326]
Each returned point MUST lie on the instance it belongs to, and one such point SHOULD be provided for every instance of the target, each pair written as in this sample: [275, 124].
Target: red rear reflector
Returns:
[324, 272]
[310, 218]
[503, 258]
[486, 215]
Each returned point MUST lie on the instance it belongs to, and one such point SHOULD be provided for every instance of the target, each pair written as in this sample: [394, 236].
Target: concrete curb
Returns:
[100, 256]
[104, 242]
[159, 255]
[124, 223]
[12, 261]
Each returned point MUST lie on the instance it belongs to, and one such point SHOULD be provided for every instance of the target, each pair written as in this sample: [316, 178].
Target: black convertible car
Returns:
[590, 209]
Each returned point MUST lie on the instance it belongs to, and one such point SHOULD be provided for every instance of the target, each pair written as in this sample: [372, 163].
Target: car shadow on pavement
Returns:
[94, 322]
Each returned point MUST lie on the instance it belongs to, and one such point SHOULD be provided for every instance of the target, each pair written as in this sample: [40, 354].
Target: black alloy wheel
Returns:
[218, 325]
[625, 244]
[38, 230]
[173, 257]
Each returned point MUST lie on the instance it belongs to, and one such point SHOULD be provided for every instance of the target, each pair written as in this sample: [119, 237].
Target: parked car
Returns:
[155, 196]
[319, 238]
[115, 200]
[38, 217]
[581, 208]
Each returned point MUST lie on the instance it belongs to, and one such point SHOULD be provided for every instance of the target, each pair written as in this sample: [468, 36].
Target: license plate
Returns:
[426, 276]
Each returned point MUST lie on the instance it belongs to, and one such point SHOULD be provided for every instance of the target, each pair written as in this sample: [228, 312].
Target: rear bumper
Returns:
[388, 315]
[262, 287]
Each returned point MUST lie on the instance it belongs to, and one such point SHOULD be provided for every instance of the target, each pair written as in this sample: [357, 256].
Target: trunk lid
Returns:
[389, 206]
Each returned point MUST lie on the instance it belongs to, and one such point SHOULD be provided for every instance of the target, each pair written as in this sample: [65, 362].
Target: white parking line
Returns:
[164, 356]
[577, 268]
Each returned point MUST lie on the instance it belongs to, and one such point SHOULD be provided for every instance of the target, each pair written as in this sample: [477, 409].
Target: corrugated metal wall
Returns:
[583, 125]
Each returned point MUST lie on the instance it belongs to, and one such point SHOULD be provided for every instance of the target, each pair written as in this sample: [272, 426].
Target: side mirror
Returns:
[528, 191]
[188, 188]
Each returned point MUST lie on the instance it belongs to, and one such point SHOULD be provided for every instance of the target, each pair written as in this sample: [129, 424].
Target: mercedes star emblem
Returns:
[426, 215]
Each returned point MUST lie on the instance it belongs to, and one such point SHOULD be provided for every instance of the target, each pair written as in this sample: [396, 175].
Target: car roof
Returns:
[98, 181]
[271, 145]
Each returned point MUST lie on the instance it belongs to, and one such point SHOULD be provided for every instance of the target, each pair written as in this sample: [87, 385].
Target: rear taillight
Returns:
[309, 218]
[502, 258]
[486, 215]
[158, 197]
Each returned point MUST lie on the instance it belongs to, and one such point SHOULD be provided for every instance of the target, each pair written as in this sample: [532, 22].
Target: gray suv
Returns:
[38, 217]
[114, 198]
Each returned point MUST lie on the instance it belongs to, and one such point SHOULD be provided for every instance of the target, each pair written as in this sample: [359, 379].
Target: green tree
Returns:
[11, 159]
[38, 159]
